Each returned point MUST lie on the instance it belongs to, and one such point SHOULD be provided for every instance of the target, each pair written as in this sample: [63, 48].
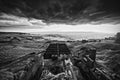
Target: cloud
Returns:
[13, 23]
[103, 28]
[37, 22]
[70, 11]
[8, 20]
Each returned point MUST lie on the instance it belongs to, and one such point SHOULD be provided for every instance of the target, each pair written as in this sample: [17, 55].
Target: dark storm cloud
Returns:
[82, 11]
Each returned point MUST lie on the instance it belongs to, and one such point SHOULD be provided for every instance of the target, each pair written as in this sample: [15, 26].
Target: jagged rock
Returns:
[6, 75]
[117, 38]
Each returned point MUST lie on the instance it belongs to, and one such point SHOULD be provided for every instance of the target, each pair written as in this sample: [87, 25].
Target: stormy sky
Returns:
[60, 15]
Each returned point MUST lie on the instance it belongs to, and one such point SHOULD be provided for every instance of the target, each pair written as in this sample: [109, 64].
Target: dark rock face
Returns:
[117, 38]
